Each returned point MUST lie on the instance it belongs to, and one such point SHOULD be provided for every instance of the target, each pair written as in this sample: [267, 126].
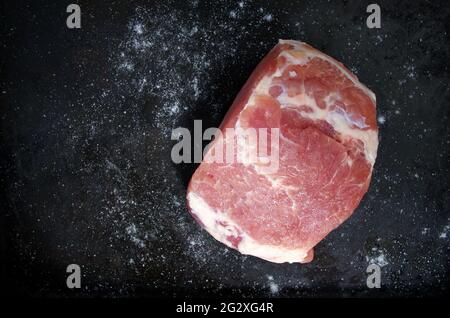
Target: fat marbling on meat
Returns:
[328, 139]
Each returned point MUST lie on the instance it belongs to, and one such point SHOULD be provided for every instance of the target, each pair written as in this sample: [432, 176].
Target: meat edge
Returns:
[212, 221]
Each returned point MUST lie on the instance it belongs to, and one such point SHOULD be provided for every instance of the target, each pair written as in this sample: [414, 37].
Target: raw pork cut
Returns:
[328, 139]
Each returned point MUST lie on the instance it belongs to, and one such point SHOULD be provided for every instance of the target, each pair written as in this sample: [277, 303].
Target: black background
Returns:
[86, 116]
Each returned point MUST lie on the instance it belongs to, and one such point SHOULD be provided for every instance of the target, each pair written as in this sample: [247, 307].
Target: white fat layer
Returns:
[309, 53]
[339, 119]
[211, 220]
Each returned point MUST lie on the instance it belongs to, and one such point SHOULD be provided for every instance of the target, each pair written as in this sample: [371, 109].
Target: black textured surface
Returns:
[87, 178]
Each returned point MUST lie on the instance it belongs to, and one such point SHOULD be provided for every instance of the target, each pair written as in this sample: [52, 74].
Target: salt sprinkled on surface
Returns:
[267, 17]
[274, 288]
[138, 28]
[377, 256]
[445, 232]
[163, 44]
[133, 234]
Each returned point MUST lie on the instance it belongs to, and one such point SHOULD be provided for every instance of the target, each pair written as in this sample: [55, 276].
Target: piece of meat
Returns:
[328, 139]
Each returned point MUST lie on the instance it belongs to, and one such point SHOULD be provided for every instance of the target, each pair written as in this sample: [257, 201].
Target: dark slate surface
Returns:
[86, 174]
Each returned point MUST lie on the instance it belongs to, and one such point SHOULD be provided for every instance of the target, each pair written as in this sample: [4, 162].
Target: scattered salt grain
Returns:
[126, 65]
[134, 235]
[273, 288]
[377, 256]
[425, 230]
[268, 17]
[138, 28]
[381, 119]
[445, 231]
